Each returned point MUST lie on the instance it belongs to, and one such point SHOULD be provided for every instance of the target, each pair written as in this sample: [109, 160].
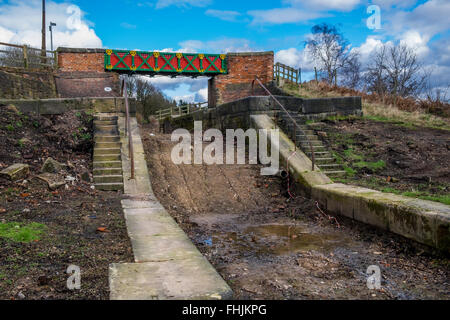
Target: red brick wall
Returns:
[242, 69]
[90, 60]
[81, 73]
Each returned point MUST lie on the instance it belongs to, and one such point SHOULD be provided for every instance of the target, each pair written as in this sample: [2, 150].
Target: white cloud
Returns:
[127, 25]
[414, 40]
[324, 5]
[295, 58]
[6, 35]
[181, 3]
[223, 14]
[282, 16]
[20, 22]
[430, 18]
[224, 45]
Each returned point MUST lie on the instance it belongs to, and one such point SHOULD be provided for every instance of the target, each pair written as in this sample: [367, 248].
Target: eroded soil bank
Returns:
[390, 157]
[43, 231]
[269, 247]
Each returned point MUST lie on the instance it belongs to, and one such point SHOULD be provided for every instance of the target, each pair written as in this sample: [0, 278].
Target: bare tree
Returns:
[149, 98]
[395, 70]
[331, 50]
[351, 72]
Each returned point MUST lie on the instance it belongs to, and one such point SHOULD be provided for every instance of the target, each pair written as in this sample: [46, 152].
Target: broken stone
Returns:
[12, 108]
[51, 166]
[16, 172]
[53, 181]
[85, 176]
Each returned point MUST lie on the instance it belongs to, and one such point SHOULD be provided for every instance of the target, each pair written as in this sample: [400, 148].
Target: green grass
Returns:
[350, 154]
[374, 166]
[445, 199]
[19, 232]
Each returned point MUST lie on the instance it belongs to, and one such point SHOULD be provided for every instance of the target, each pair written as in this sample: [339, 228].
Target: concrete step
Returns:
[108, 179]
[105, 122]
[106, 127]
[301, 137]
[107, 164]
[105, 118]
[107, 157]
[100, 138]
[109, 186]
[104, 151]
[111, 132]
[314, 143]
[322, 154]
[334, 173]
[107, 145]
[330, 165]
[107, 171]
[324, 160]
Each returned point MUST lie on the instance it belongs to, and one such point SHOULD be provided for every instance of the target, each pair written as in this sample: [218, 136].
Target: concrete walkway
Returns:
[167, 264]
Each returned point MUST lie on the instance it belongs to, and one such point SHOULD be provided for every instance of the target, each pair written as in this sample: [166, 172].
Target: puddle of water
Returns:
[280, 239]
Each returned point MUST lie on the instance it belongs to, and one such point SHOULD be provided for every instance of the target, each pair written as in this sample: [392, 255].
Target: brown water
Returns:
[280, 239]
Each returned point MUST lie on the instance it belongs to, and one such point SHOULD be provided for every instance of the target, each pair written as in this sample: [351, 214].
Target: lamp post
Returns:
[52, 24]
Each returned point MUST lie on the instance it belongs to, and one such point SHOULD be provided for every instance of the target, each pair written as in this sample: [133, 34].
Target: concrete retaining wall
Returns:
[424, 221]
[61, 105]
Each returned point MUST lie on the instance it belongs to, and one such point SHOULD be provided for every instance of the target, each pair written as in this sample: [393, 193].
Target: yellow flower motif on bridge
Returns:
[179, 70]
[109, 67]
[202, 70]
[179, 55]
[222, 57]
[156, 54]
[108, 52]
[222, 71]
[157, 69]
[133, 53]
[133, 68]
[201, 56]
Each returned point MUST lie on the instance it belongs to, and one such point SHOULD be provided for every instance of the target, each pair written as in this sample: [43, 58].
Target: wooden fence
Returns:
[23, 56]
[180, 110]
[281, 71]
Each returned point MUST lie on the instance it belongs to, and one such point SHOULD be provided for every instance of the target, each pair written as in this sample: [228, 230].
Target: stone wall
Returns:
[242, 70]
[81, 74]
[18, 83]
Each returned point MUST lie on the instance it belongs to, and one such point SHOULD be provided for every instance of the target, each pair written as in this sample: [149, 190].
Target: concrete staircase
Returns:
[324, 159]
[107, 153]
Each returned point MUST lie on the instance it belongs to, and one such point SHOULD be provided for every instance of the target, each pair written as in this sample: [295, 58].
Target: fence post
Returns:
[25, 56]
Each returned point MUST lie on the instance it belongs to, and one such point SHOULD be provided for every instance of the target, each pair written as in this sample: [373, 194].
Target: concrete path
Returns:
[167, 264]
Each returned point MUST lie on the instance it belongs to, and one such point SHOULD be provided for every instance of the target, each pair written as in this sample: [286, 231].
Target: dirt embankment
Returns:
[390, 157]
[44, 231]
[269, 247]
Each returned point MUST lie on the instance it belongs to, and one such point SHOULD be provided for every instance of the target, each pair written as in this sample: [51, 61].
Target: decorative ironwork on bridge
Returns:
[169, 63]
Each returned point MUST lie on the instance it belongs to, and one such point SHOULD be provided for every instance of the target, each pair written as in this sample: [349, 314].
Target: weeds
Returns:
[19, 232]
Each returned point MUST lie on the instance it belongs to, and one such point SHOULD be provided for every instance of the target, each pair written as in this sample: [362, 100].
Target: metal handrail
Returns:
[124, 92]
[290, 117]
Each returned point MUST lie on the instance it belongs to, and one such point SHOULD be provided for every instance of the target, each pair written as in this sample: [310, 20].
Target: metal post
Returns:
[52, 24]
[128, 130]
[44, 47]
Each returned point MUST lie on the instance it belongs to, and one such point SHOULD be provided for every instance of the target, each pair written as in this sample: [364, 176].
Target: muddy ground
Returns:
[416, 160]
[267, 246]
[82, 226]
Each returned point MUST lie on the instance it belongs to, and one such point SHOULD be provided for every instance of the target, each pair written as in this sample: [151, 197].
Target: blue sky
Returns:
[213, 26]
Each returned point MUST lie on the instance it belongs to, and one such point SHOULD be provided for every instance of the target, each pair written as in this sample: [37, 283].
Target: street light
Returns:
[52, 24]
